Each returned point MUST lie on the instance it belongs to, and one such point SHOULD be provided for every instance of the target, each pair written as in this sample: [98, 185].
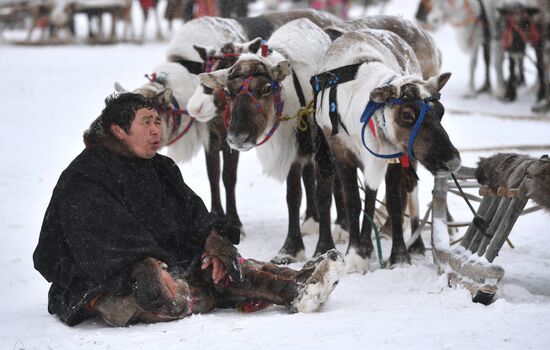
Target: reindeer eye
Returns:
[407, 114]
[266, 90]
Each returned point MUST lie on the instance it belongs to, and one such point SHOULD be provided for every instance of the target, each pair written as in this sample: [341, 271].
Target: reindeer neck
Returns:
[369, 77]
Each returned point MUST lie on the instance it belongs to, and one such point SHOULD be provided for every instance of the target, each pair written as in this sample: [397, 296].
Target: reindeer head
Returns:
[252, 92]
[411, 121]
[209, 102]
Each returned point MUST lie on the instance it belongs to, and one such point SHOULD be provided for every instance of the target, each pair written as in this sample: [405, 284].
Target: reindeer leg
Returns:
[324, 202]
[213, 170]
[511, 85]
[293, 248]
[144, 25]
[473, 65]
[498, 54]
[360, 246]
[157, 21]
[487, 59]
[310, 224]
[399, 254]
[261, 283]
[300, 291]
[539, 51]
[229, 177]
[521, 70]
[341, 229]
[417, 247]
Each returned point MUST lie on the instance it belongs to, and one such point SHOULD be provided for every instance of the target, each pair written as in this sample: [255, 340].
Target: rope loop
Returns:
[302, 116]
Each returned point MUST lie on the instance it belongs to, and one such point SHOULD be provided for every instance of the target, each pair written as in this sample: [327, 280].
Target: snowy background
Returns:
[51, 94]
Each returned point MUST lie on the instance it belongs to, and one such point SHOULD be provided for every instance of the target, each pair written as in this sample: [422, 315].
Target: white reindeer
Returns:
[466, 17]
[381, 81]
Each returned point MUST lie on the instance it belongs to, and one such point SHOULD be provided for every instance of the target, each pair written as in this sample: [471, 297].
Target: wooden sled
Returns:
[471, 263]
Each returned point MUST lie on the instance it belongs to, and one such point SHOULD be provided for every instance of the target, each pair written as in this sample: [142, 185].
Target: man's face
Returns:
[143, 138]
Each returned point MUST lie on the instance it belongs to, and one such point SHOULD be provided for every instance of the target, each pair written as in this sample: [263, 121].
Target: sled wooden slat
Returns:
[484, 207]
[505, 227]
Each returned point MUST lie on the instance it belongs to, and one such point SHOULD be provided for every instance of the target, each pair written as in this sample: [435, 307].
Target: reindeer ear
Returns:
[202, 51]
[254, 45]
[281, 71]
[439, 81]
[164, 97]
[251, 46]
[383, 93]
[213, 79]
[119, 88]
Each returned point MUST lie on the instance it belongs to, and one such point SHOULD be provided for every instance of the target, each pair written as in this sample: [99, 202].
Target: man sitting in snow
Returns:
[124, 238]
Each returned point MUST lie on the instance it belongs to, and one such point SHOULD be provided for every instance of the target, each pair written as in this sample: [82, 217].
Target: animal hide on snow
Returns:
[509, 169]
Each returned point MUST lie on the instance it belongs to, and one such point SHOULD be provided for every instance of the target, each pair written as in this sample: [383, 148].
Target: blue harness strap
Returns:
[372, 107]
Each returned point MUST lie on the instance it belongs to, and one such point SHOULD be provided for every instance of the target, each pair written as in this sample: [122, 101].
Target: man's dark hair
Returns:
[120, 109]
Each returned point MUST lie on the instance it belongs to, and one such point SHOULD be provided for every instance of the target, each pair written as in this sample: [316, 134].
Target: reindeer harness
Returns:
[348, 73]
[372, 107]
[171, 113]
[277, 102]
[513, 28]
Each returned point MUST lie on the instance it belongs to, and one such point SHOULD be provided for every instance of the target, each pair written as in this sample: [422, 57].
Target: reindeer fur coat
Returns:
[110, 210]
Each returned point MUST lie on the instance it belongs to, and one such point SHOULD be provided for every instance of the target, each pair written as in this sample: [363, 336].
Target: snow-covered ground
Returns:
[50, 95]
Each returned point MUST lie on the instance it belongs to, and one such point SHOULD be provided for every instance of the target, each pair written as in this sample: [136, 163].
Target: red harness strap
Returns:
[147, 4]
[404, 159]
[531, 36]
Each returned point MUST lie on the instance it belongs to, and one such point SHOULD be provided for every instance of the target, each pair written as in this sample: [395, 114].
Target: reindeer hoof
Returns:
[356, 262]
[339, 234]
[284, 259]
[327, 270]
[400, 260]
[484, 89]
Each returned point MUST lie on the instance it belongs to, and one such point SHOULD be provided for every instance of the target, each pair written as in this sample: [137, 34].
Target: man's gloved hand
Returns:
[222, 256]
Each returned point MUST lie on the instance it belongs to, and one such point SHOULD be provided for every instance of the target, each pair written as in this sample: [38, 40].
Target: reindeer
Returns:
[206, 104]
[179, 80]
[259, 91]
[402, 117]
[522, 23]
[475, 23]
[430, 61]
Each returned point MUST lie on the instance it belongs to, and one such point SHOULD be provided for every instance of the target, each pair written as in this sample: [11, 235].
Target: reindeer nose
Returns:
[239, 140]
[453, 164]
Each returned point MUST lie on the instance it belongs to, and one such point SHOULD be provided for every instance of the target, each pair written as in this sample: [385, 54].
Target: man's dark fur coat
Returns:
[110, 210]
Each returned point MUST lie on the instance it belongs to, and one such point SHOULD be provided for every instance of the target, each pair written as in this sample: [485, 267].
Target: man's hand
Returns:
[218, 270]
[222, 256]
